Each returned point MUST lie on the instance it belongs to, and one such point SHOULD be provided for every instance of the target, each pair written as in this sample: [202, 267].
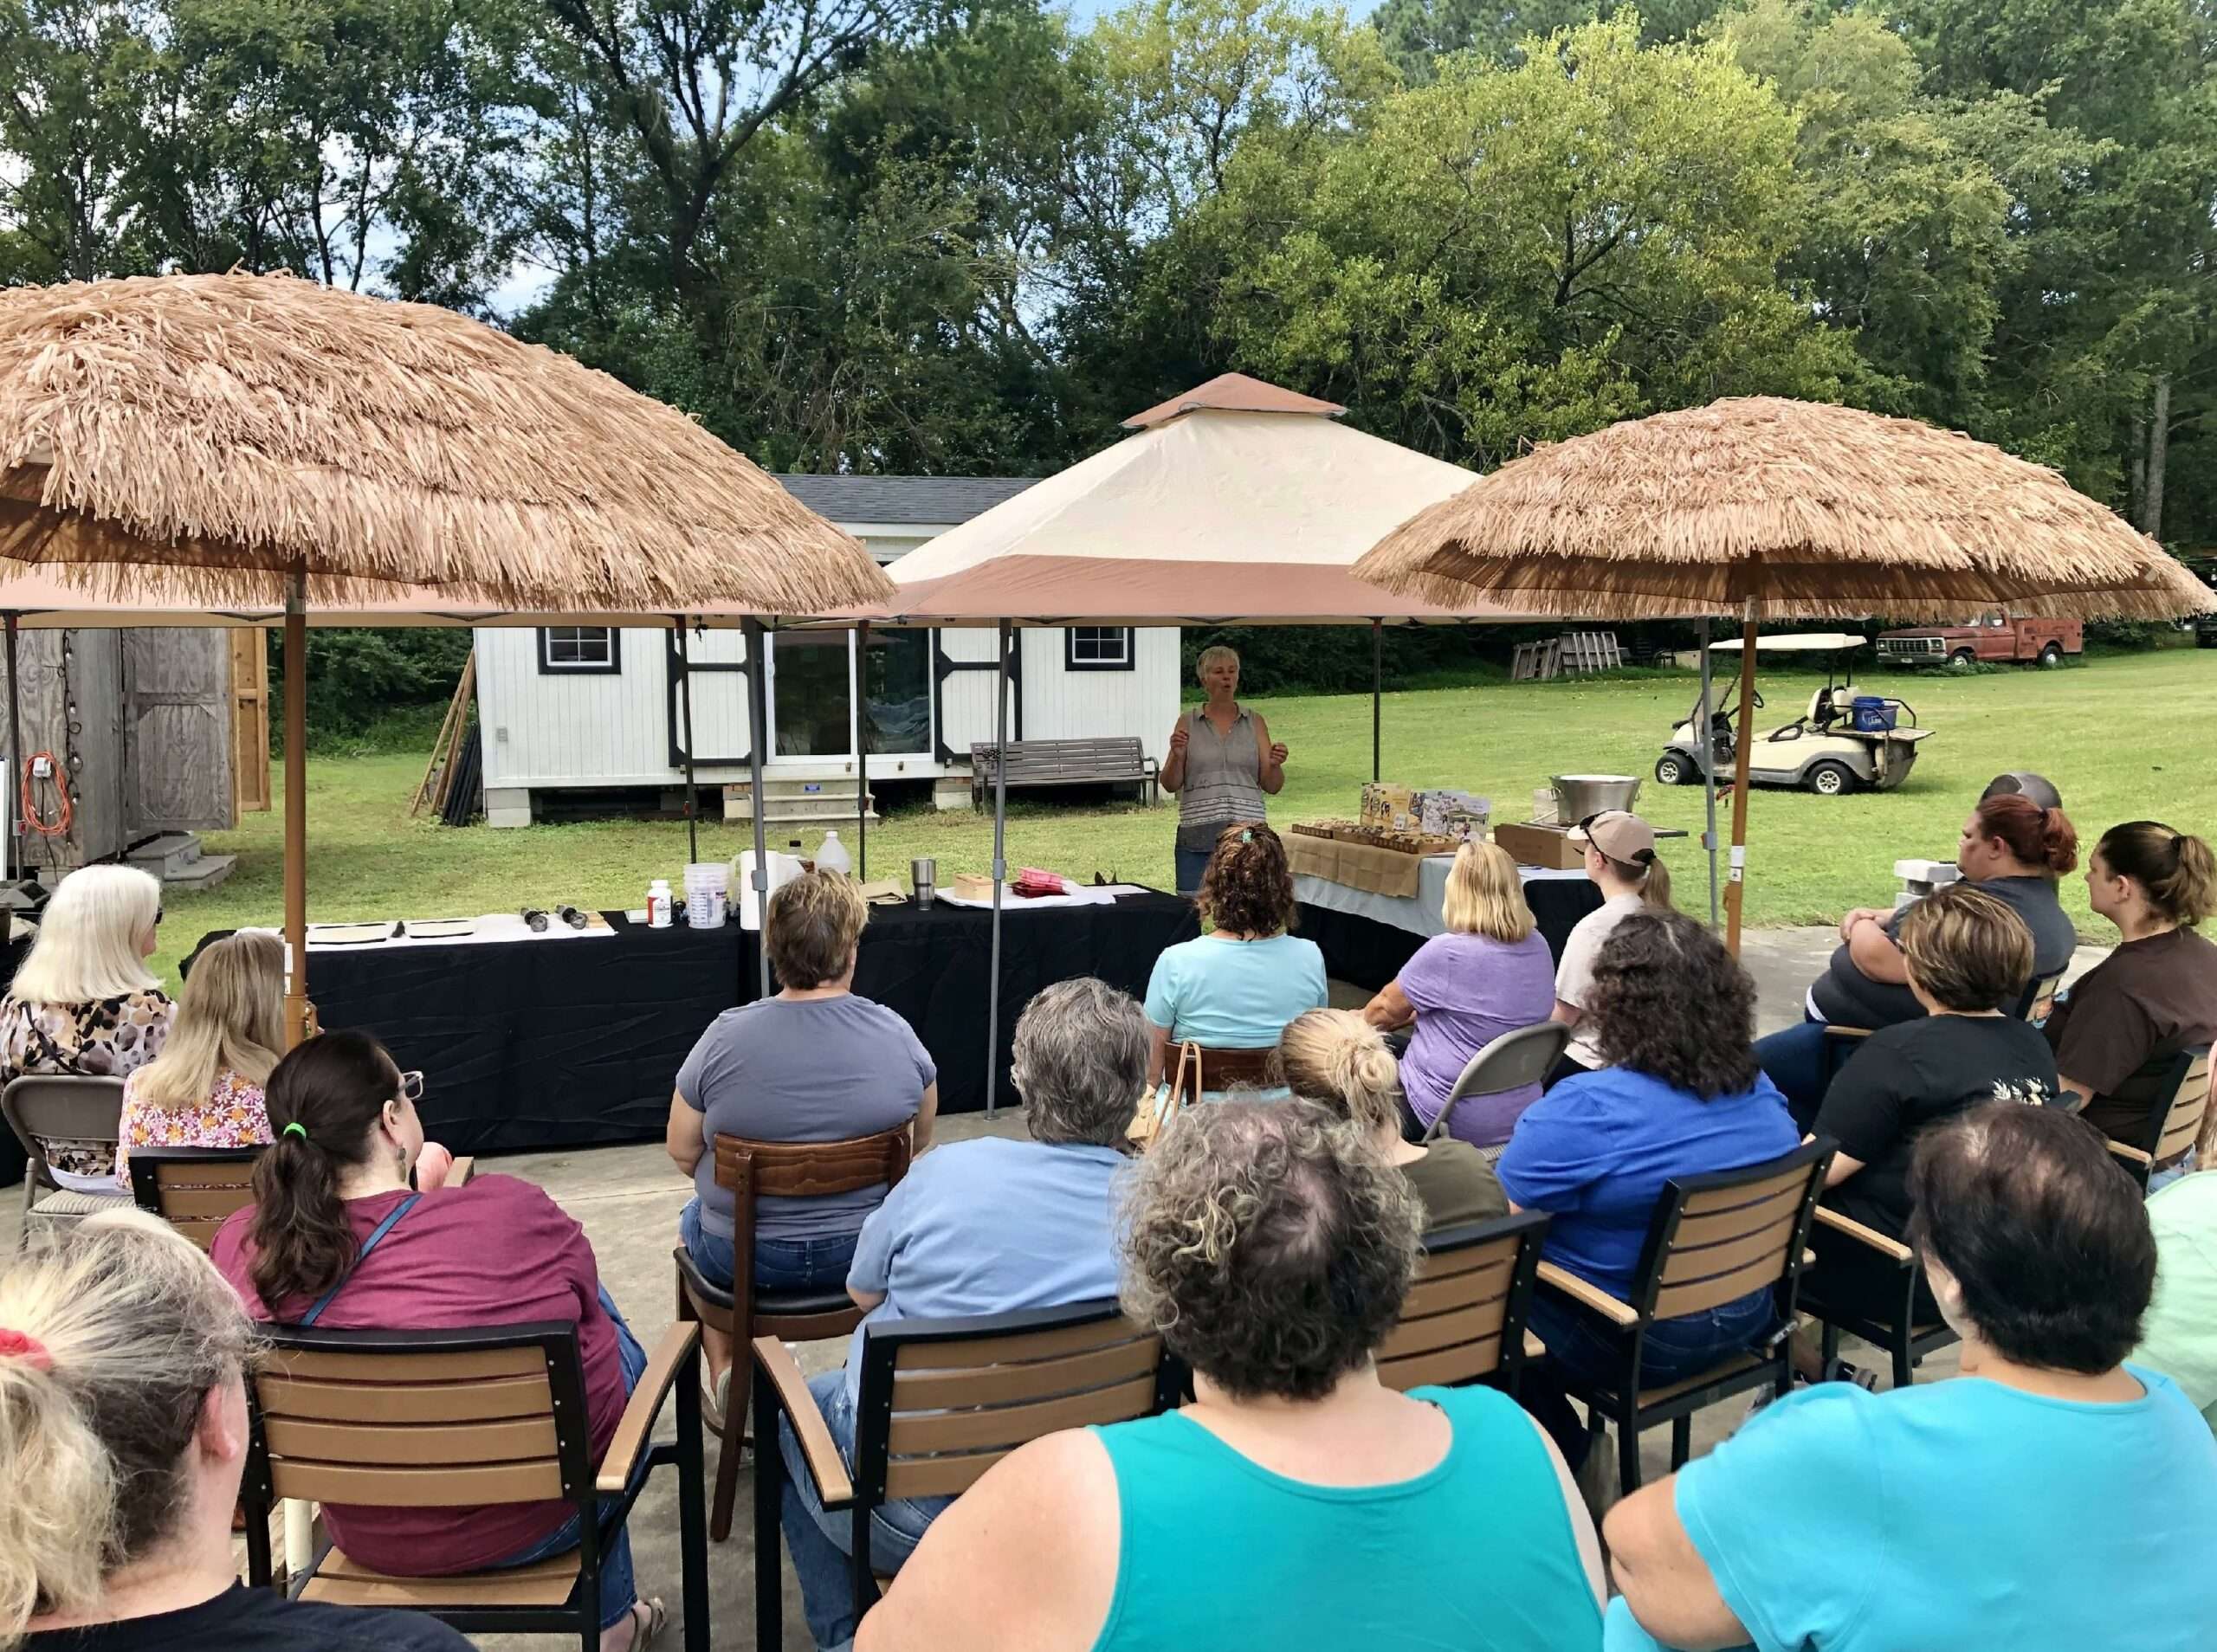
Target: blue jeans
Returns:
[818, 1542]
[618, 1592]
[779, 1264]
[1800, 1062]
[1579, 1345]
[1191, 864]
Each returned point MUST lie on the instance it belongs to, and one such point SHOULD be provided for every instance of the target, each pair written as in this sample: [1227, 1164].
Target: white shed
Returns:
[591, 708]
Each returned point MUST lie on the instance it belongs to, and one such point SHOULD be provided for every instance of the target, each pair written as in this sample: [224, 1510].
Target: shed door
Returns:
[249, 647]
[177, 730]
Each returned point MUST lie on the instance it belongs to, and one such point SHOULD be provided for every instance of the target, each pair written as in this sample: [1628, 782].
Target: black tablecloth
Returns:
[1370, 953]
[570, 1043]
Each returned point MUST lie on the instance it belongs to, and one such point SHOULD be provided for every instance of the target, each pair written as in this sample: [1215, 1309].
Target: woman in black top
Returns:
[1968, 956]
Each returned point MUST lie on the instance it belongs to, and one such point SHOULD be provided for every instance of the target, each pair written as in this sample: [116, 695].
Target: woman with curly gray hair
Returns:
[1272, 1248]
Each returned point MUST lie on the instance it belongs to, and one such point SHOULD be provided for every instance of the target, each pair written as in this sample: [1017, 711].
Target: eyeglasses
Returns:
[411, 1086]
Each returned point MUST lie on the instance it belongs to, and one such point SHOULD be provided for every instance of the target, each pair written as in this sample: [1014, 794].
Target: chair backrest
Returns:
[1222, 1069]
[809, 1170]
[2187, 1114]
[195, 1189]
[1524, 1056]
[943, 1400]
[2039, 997]
[1463, 1322]
[421, 1419]
[1717, 1238]
[61, 1107]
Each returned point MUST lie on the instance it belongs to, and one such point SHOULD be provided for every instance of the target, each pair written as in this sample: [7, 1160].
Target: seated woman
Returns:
[1972, 1514]
[990, 1225]
[1237, 986]
[123, 1419]
[84, 1003]
[1489, 974]
[816, 1062]
[1297, 1501]
[1620, 862]
[1969, 957]
[1672, 1011]
[2012, 849]
[1335, 1057]
[2179, 1336]
[337, 1238]
[2156, 994]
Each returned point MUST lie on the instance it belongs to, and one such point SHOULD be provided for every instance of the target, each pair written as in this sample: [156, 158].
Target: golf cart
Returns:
[1843, 741]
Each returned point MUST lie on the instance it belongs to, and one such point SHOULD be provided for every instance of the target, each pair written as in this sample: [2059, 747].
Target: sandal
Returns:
[642, 1635]
[713, 1398]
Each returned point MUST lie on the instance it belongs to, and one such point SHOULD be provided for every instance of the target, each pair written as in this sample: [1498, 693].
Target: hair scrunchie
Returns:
[295, 1128]
[17, 1345]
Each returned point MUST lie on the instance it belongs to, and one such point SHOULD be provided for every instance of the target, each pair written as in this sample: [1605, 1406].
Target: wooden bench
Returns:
[1122, 761]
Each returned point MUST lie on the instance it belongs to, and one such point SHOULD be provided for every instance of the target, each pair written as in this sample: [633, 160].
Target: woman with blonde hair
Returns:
[1489, 974]
[1336, 1058]
[1221, 760]
[124, 1358]
[84, 1003]
[204, 1089]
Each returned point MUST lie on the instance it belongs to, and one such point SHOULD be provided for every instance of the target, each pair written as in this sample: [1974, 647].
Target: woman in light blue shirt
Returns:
[1237, 986]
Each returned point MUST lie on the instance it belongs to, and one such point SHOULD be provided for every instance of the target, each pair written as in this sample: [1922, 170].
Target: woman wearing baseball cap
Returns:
[1620, 859]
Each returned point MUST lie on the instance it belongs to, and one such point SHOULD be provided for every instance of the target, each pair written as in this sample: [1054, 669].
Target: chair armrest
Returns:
[835, 1486]
[1893, 1249]
[637, 1423]
[1586, 1295]
[2131, 1155]
[1832, 1031]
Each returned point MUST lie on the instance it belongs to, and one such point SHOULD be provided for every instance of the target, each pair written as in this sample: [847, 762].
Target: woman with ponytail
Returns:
[123, 1432]
[337, 1238]
[2156, 994]
[1336, 1058]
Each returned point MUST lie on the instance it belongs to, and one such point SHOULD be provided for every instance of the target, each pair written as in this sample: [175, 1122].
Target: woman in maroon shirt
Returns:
[498, 1251]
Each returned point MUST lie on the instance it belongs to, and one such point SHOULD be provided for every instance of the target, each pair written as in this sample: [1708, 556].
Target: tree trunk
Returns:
[2159, 443]
[2135, 471]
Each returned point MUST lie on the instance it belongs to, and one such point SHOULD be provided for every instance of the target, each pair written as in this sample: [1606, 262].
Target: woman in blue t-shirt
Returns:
[1675, 1014]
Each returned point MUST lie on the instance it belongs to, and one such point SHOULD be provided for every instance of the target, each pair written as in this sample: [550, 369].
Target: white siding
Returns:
[1065, 704]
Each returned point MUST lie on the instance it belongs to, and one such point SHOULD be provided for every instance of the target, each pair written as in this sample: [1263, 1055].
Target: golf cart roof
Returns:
[1798, 642]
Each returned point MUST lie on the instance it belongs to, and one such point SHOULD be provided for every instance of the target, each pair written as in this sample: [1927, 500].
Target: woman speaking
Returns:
[1221, 760]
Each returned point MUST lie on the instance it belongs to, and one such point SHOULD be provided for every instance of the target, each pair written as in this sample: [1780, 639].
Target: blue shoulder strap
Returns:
[377, 1234]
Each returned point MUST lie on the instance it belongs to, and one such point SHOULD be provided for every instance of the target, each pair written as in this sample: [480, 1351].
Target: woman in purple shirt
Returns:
[1491, 973]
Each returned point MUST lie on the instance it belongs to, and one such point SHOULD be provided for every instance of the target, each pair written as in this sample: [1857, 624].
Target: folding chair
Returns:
[1464, 1319]
[60, 1106]
[1509, 1062]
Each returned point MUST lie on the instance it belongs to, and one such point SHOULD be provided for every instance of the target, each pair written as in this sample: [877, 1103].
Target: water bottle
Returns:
[658, 904]
[833, 856]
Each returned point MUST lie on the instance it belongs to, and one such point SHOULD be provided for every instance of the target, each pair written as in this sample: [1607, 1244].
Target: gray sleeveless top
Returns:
[1223, 780]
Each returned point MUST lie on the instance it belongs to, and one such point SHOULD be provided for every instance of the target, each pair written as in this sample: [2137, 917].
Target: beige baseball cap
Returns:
[1622, 837]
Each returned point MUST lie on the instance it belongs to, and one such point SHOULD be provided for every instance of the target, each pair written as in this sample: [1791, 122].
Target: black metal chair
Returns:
[1713, 1239]
[1463, 1320]
[418, 1419]
[1901, 1335]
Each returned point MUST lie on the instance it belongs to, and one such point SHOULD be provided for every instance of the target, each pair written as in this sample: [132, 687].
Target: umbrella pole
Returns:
[1708, 748]
[296, 806]
[1735, 892]
[758, 732]
[1000, 873]
[15, 758]
[685, 681]
[1377, 687]
[862, 751]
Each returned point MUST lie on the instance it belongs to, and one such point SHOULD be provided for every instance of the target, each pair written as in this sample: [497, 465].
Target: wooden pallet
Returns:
[1568, 655]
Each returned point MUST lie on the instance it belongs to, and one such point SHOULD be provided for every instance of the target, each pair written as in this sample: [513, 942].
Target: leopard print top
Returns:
[111, 1038]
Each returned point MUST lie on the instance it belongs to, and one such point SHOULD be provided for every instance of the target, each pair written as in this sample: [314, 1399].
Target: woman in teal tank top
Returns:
[1297, 1503]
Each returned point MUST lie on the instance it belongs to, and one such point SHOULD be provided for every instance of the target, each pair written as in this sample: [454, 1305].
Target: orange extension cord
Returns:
[33, 821]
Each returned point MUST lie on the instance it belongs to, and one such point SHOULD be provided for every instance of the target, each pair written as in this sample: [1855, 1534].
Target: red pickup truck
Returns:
[1994, 634]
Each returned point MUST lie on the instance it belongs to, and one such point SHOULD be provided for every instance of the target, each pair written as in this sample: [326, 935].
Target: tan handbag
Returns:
[1156, 1110]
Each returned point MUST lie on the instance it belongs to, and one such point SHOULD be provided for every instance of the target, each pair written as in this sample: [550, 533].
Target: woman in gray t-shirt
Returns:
[1222, 762]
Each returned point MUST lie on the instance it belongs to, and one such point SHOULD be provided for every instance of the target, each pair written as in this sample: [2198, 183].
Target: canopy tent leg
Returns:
[757, 732]
[1377, 689]
[862, 753]
[296, 806]
[1000, 876]
[692, 809]
[1708, 748]
[1735, 892]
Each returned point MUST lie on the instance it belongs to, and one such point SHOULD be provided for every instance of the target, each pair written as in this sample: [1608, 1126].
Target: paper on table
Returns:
[1075, 895]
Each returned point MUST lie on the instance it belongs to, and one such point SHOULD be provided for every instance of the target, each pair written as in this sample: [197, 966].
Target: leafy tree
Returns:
[1416, 32]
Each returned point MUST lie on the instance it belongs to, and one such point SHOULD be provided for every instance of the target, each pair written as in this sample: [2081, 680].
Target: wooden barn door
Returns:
[176, 730]
[250, 719]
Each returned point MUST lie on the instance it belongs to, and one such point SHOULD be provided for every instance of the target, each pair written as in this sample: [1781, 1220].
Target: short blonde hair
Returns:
[1211, 655]
[89, 939]
[1485, 896]
[814, 924]
[1336, 1057]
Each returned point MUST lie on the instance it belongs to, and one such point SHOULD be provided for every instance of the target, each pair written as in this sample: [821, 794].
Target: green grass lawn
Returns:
[2124, 737]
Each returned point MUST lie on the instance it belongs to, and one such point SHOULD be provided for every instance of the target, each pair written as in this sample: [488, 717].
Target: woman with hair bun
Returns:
[2156, 993]
[1335, 1057]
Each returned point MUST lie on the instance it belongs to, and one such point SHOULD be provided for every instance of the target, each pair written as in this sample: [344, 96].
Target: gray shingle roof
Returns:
[942, 501]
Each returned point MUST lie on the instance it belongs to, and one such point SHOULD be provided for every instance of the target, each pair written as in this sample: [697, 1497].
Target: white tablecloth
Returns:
[1417, 914]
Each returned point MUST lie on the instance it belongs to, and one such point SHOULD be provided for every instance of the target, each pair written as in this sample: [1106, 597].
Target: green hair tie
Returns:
[296, 1129]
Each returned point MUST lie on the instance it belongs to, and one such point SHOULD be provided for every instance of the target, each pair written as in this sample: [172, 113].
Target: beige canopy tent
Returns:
[1760, 506]
[247, 443]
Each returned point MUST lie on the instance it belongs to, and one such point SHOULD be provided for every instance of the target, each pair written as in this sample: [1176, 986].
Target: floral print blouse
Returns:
[110, 1038]
[231, 1115]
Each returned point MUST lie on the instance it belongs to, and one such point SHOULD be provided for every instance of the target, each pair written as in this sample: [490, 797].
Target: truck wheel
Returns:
[1963, 657]
[1829, 780]
[1672, 770]
[2051, 656]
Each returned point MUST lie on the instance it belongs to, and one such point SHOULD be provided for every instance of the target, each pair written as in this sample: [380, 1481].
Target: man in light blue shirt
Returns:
[988, 1226]
[2051, 1499]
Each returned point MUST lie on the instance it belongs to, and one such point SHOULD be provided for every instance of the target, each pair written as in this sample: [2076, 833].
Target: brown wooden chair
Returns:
[942, 1401]
[1200, 1069]
[196, 1190]
[2178, 1126]
[1714, 1239]
[790, 1170]
[430, 1419]
[42, 1108]
[2039, 997]
[1463, 1320]
[1905, 1339]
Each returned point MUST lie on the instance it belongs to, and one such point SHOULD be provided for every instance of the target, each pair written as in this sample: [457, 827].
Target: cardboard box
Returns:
[1542, 846]
[1394, 808]
[1456, 815]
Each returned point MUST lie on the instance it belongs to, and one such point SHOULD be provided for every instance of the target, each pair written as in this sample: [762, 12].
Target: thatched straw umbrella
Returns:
[261, 440]
[1761, 507]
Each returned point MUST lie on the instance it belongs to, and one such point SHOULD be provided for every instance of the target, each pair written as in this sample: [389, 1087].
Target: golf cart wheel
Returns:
[1963, 657]
[1672, 770]
[2051, 656]
[1829, 780]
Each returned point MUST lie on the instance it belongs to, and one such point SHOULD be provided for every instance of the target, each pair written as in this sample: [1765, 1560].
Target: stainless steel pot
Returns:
[1578, 795]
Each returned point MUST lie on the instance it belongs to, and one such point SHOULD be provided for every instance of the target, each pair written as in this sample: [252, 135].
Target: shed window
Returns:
[565, 650]
[1097, 648]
